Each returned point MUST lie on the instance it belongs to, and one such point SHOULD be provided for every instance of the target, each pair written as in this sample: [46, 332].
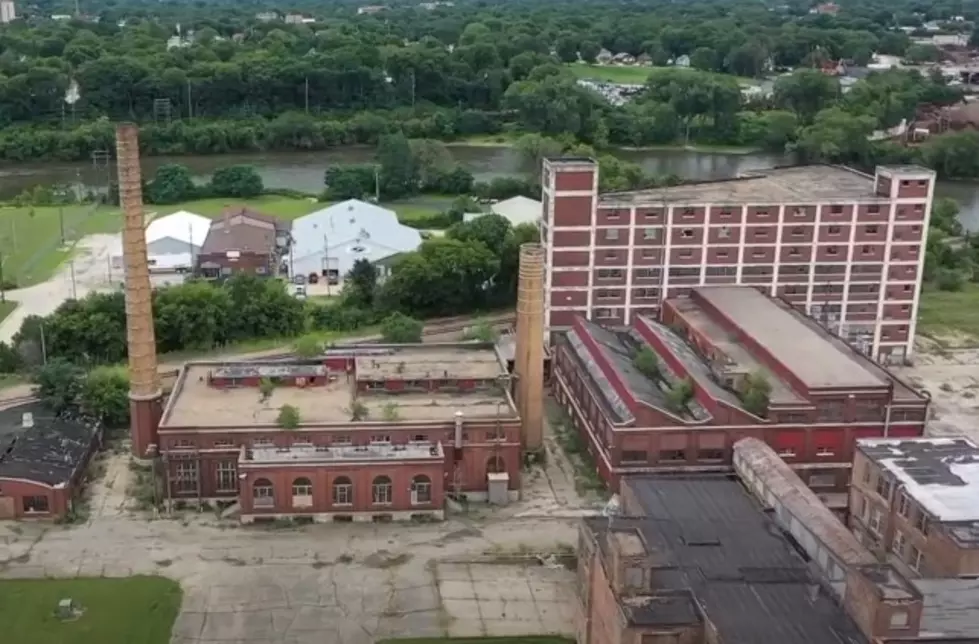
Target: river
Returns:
[304, 170]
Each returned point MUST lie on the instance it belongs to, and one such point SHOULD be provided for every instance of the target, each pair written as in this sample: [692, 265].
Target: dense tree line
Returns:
[236, 83]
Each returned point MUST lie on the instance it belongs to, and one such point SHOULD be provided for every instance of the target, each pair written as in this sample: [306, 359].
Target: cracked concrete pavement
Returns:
[328, 584]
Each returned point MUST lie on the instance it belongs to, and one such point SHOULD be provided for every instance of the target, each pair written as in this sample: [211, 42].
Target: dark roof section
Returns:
[710, 538]
[50, 452]
[280, 225]
[239, 233]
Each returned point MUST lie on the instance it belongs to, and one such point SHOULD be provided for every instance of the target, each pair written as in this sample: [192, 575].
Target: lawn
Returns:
[6, 308]
[943, 313]
[134, 610]
[30, 239]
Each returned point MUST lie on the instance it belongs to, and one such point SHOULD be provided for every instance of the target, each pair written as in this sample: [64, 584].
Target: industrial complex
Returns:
[724, 363]
[845, 247]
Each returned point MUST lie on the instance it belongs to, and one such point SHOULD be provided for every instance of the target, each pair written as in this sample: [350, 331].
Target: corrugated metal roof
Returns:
[519, 210]
[351, 230]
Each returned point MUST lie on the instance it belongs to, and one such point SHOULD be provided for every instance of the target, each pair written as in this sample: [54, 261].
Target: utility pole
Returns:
[74, 289]
[307, 94]
[377, 184]
[3, 291]
[61, 223]
[44, 346]
[190, 104]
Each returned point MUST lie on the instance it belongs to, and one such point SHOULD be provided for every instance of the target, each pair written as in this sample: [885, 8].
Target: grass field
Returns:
[30, 239]
[943, 313]
[134, 610]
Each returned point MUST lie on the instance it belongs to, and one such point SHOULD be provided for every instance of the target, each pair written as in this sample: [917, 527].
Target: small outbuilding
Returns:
[42, 461]
[172, 242]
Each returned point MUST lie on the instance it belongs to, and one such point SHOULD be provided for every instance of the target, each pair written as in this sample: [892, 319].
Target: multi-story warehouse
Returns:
[727, 362]
[366, 431]
[917, 501]
[843, 246]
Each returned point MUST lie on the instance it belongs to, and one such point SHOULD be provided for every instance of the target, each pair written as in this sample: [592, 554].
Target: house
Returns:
[328, 242]
[645, 60]
[267, 16]
[370, 9]
[622, 58]
[517, 210]
[682, 61]
[172, 242]
[243, 240]
[604, 57]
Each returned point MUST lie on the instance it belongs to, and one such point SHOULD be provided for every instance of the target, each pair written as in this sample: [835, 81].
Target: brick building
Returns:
[843, 246]
[42, 461]
[243, 240]
[696, 561]
[383, 431]
[822, 394]
[916, 501]
[934, 610]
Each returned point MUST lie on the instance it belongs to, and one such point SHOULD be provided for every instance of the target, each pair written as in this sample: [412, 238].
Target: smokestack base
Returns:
[144, 413]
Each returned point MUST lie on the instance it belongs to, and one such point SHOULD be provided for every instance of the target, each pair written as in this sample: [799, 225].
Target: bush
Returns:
[398, 328]
[949, 279]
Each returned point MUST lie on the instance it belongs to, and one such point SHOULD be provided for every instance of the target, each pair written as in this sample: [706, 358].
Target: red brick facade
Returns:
[853, 261]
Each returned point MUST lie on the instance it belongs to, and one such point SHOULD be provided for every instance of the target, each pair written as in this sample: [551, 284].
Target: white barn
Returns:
[332, 239]
[172, 242]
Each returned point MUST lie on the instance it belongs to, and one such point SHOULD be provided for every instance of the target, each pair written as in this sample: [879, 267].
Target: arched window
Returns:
[381, 491]
[302, 492]
[421, 490]
[343, 491]
[495, 464]
[263, 494]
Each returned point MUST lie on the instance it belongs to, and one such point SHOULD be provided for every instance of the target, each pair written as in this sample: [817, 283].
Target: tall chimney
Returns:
[529, 359]
[145, 394]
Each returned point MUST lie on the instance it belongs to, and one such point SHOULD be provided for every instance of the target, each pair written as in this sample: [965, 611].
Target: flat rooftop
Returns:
[951, 607]
[782, 392]
[195, 403]
[711, 539]
[795, 185]
[48, 452]
[804, 349]
[346, 454]
[941, 474]
[424, 363]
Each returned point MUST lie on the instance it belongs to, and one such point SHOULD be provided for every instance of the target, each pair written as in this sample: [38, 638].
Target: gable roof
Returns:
[240, 233]
[244, 212]
[352, 230]
[183, 226]
[519, 210]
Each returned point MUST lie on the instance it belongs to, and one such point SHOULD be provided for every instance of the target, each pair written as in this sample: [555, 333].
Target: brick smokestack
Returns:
[529, 360]
[145, 394]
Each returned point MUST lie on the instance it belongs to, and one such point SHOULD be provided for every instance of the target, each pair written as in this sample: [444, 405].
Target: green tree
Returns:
[360, 284]
[239, 181]
[308, 346]
[398, 328]
[491, 230]
[350, 181]
[679, 396]
[172, 183]
[806, 92]
[704, 59]
[755, 394]
[399, 175]
[589, 50]
[104, 394]
[289, 417]
[647, 363]
[58, 384]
